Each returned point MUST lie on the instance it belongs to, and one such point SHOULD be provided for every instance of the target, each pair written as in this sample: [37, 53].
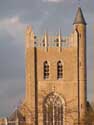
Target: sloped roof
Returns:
[16, 115]
[79, 19]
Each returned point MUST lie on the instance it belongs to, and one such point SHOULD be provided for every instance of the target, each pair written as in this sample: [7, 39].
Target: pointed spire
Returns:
[59, 37]
[46, 39]
[29, 37]
[6, 121]
[79, 19]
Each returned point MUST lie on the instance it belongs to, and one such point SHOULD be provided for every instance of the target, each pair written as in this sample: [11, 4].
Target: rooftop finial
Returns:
[46, 39]
[59, 37]
[79, 1]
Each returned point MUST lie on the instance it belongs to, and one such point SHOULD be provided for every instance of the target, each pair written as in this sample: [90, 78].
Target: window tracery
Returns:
[53, 110]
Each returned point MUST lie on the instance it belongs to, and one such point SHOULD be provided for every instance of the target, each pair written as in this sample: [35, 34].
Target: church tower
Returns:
[56, 76]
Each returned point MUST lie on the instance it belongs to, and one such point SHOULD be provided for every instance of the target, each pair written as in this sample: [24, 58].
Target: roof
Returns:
[79, 19]
[16, 115]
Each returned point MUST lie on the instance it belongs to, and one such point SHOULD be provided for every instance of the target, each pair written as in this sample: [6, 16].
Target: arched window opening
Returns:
[53, 110]
[59, 70]
[46, 70]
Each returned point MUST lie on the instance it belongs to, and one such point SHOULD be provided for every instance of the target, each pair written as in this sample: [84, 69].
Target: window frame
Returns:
[60, 70]
[46, 70]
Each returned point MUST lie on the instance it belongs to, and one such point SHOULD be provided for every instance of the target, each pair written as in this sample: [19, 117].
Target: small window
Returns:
[59, 70]
[46, 70]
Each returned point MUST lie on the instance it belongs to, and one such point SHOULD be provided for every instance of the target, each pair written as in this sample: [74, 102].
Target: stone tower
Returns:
[56, 76]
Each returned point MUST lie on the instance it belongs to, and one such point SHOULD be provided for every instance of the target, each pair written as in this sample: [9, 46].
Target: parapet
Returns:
[50, 41]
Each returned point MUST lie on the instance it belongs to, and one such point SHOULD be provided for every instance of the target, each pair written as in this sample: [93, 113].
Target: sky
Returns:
[43, 15]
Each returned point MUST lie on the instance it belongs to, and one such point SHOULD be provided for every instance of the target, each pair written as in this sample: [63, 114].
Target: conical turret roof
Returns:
[79, 19]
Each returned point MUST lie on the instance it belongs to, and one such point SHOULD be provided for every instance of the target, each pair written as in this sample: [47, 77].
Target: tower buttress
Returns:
[30, 72]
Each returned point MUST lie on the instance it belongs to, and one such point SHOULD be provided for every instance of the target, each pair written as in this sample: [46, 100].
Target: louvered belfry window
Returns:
[59, 70]
[46, 70]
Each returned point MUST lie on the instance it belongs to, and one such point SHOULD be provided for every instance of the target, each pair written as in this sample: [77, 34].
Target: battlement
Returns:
[50, 41]
[53, 41]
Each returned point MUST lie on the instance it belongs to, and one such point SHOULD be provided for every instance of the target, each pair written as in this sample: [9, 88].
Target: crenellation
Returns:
[52, 41]
[49, 41]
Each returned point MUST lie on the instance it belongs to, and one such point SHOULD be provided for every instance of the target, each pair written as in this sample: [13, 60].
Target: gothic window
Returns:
[59, 70]
[53, 110]
[46, 70]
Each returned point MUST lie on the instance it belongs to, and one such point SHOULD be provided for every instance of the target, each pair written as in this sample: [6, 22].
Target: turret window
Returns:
[46, 70]
[59, 70]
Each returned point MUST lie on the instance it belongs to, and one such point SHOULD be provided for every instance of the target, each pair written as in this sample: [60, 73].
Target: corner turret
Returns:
[80, 25]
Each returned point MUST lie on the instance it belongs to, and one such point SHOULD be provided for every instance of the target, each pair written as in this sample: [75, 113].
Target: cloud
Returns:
[53, 1]
[13, 26]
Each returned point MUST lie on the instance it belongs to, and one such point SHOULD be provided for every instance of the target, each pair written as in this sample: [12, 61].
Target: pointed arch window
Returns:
[53, 110]
[46, 70]
[59, 70]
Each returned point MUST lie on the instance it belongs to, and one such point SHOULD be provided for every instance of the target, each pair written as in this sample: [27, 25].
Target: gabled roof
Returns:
[79, 19]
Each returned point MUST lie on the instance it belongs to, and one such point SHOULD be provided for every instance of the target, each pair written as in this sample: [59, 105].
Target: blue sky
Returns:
[43, 15]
